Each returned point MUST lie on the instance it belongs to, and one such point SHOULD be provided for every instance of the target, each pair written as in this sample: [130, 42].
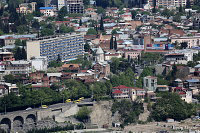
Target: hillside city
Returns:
[105, 66]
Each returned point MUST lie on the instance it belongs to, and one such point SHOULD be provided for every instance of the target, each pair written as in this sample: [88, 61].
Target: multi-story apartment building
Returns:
[68, 46]
[192, 41]
[75, 6]
[167, 3]
[17, 67]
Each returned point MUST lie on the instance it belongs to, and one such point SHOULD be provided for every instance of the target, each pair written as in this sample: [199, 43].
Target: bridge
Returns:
[18, 120]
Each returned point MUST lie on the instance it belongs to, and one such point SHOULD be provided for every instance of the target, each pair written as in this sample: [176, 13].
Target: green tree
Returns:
[83, 114]
[55, 64]
[62, 13]
[65, 29]
[134, 13]
[17, 54]
[180, 9]
[100, 10]
[129, 111]
[9, 78]
[111, 42]
[86, 2]
[184, 45]
[170, 105]
[23, 54]
[87, 47]
[80, 22]
[91, 31]
[101, 24]
[115, 44]
[18, 42]
[47, 32]
[36, 24]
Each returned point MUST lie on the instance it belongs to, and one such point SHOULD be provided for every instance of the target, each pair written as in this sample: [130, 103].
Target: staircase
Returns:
[144, 116]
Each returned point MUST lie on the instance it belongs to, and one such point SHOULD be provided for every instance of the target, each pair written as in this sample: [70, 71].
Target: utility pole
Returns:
[63, 98]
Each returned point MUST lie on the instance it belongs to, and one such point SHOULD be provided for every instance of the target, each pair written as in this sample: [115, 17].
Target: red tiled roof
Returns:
[182, 93]
[83, 71]
[122, 87]
[117, 92]
[178, 88]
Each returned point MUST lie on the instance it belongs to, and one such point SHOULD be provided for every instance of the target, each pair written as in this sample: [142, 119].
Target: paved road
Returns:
[58, 105]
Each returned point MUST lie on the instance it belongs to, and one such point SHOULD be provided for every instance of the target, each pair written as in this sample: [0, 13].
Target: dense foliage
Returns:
[128, 110]
[170, 105]
[83, 114]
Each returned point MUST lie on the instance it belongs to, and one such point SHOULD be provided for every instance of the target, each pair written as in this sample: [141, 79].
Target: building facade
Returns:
[124, 92]
[192, 41]
[150, 83]
[48, 11]
[75, 6]
[68, 46]
[167, 3]
[17, 67]
[26, 8]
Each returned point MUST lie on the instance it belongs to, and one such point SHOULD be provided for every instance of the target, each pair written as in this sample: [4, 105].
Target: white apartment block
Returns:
[68, 46]
[168, 3]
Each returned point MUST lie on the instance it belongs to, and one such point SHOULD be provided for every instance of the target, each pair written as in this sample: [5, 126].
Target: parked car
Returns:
[29, 108]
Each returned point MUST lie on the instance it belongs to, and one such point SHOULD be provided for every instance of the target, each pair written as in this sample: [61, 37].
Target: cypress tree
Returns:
[80, 22]
[111, 43]
[18, 54]
[180, 8]
[115, 44]
[59, 58]
[101, 24]
[23, 54]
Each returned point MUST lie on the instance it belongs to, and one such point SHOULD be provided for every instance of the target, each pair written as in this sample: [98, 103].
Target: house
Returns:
[37, 76]
[185, 94]
[176, 58]
[8, 40]
[178, 83]
[192, 83]
[124, 92]
[133, 54]
[71, 67]
[39, 63]
[150, 83]
[6, 56]
[54, 77]
[3, 90]
[162, 88]
[48, 11]
[17, 67]
[102, 68]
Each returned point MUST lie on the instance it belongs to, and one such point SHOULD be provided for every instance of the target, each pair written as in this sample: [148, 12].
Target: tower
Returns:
[100, 55]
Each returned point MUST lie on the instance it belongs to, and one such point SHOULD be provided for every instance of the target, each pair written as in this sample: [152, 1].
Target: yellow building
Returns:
[26, 8]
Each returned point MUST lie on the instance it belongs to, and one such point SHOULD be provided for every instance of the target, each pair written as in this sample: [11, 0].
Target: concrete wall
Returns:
[33, 49]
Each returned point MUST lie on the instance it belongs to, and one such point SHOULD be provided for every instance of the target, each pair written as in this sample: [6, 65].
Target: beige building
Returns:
[25, 8]
[192, 41]
[168, 3]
